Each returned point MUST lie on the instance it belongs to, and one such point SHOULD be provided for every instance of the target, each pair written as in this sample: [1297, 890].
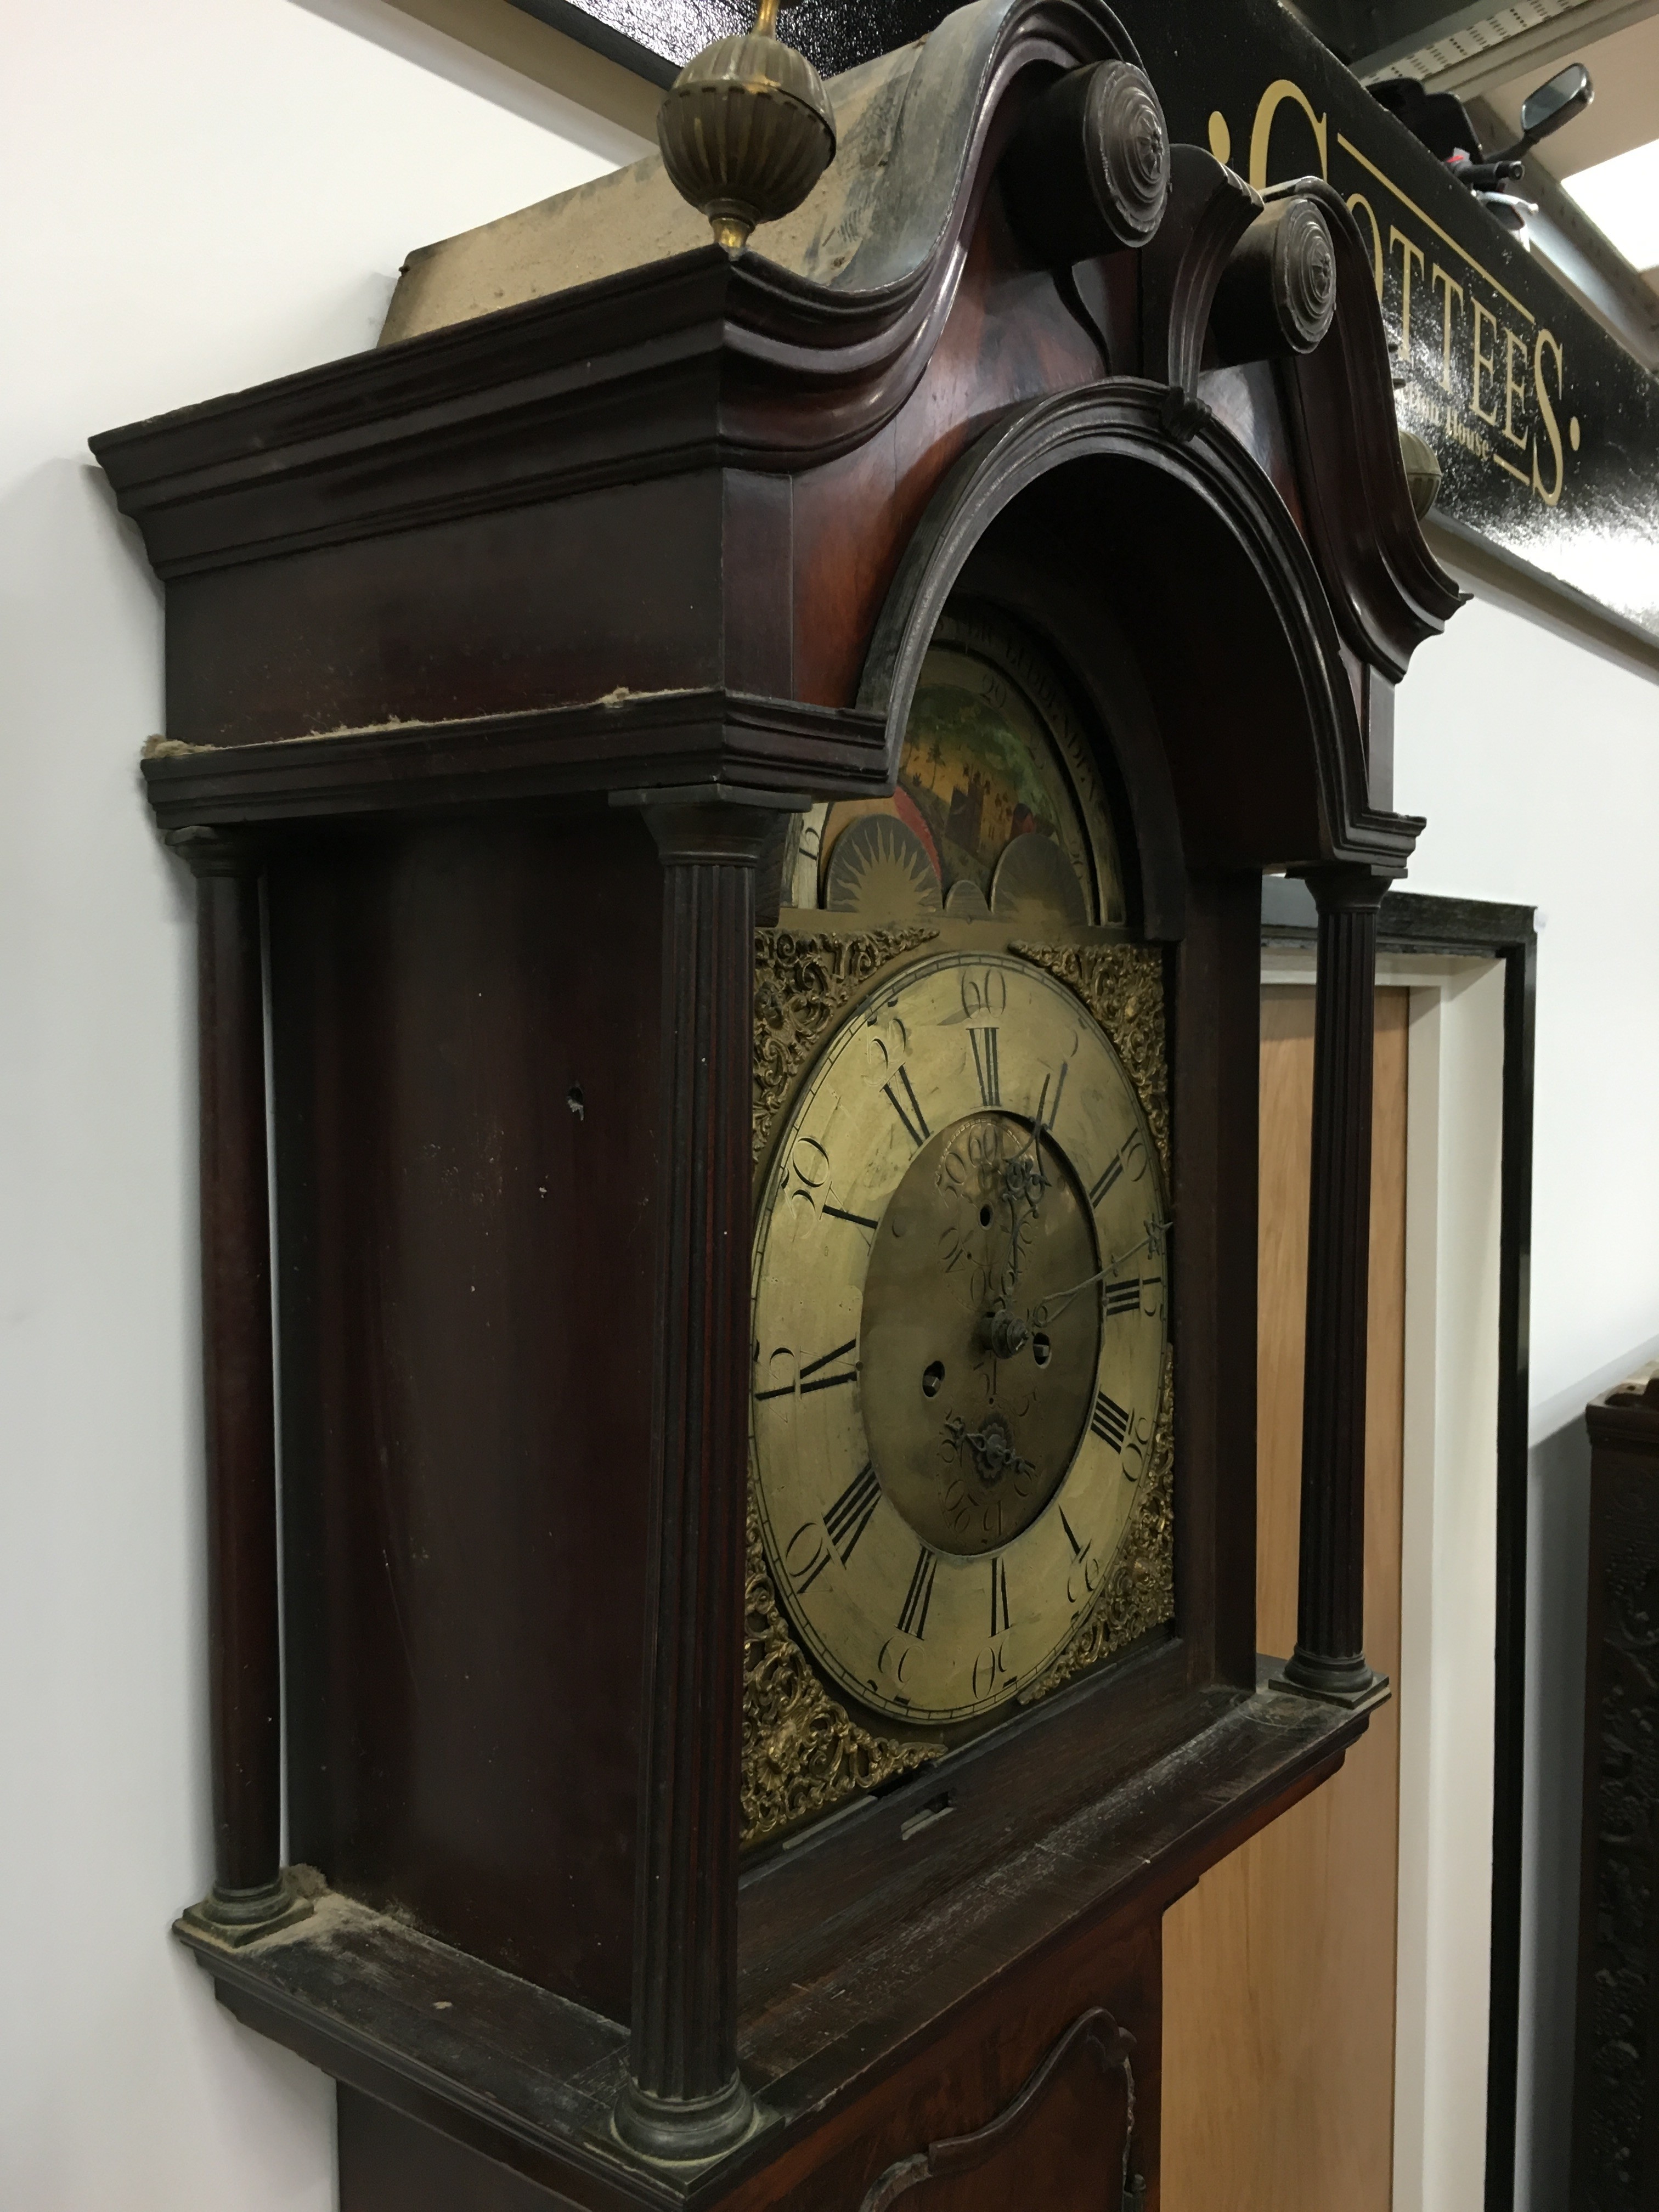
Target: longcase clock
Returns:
[738, 769]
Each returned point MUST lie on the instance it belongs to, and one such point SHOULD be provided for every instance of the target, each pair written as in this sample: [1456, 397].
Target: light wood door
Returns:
[1279, 1969]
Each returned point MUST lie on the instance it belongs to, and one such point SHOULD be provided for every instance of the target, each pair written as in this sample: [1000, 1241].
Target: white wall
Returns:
[198, 194]
[1536, 760]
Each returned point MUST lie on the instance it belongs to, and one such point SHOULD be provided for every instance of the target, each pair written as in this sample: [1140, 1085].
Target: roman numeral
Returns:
[999, 1593]
[984, 1042]
[839, 1213]
[822, 1382]
[917, 1130]
[1123, 1298]
[1046, 1114]
[1115, 1169]
[1078, 1550]
[849, 1517]
[1110, 1422]
[913, 1622]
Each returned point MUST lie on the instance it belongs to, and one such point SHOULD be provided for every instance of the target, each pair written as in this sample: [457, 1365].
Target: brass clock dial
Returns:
[959, 1328]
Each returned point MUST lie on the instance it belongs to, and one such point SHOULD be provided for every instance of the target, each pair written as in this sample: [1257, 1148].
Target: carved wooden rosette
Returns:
[803, 1753]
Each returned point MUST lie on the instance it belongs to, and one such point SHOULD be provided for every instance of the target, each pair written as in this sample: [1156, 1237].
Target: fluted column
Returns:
[244, 1670]
[686, 2098]
[1330, 1660]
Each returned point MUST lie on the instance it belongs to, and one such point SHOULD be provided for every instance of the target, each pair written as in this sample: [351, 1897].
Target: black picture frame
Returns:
[1415, 922]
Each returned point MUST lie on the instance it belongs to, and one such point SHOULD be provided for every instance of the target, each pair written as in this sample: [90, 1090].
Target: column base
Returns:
[235, 1916]
[684, 2130]
[1348, 1682]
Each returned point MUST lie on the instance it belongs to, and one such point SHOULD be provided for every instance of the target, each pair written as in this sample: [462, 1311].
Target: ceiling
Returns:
[1495, 56]
[1624, 67]
[1624, 112]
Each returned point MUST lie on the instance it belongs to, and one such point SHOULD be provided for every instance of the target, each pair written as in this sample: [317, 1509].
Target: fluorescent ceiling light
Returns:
[1621, 198]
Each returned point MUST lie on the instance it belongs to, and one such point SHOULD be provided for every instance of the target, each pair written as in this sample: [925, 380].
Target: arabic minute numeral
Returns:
[1138, 1448]
[1110, 1421]
[805, 1556]
[985, 1068]
[913, 1620]
[908, 1108]
[1084, 1577]
[849, 1517]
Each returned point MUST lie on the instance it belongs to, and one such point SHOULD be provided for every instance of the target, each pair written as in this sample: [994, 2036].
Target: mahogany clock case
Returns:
[494, 658]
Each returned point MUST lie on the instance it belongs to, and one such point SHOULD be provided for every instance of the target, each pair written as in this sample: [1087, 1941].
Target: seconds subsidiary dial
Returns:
[958, 1329]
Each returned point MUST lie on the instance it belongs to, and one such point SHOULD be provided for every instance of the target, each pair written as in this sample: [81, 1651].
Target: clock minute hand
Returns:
[1053, 1306]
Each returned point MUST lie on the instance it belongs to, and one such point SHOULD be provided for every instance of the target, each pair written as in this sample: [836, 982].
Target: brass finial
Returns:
[1422, 471]
[746, 130]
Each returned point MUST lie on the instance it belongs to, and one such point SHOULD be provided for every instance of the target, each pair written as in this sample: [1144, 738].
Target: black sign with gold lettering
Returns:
[1546, 430]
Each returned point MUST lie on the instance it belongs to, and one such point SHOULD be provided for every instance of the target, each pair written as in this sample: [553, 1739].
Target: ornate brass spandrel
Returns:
[803, 1754]
[802, 982]
[1138, 1591]
[1122, 987]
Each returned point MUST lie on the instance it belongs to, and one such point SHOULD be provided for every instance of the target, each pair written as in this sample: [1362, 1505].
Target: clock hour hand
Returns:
[1024, 1177]
[1024, 1183]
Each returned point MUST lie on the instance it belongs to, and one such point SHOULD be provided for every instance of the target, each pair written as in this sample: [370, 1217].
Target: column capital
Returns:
[208, 851]
[713, 824]
[1346, 887]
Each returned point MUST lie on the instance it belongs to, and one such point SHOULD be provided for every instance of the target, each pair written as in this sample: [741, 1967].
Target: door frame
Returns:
[1437, 947]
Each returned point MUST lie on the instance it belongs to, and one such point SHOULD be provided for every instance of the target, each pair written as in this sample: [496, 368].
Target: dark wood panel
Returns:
[1062, 2139]
[924, 2023]
[1615, 2087]
[465, 1067]
[975, 2069]
[540, 605]
[389, 2163]
[1010, 337]
[1213, 1275]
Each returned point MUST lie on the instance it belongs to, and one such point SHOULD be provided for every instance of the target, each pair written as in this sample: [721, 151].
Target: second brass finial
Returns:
[746, 130]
